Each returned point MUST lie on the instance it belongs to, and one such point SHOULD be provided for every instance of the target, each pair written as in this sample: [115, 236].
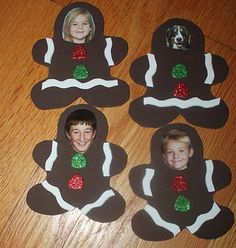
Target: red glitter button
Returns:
[179, 184]
[181, 90]
[76, 182]
[79, 53]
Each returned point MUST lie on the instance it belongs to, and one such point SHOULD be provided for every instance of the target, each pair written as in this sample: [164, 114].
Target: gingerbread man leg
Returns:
[214, 117]
[108, 207]
[213, 228]
[151, 116]
[148, 225]
[41, 200]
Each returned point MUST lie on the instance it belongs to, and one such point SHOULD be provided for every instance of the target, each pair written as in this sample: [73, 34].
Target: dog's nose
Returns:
[179, 39]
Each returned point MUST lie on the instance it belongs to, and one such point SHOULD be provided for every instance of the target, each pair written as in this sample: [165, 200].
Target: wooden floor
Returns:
[23, 125]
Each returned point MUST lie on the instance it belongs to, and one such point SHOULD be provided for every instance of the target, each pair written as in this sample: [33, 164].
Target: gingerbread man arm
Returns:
[218, 175]
[45, 153]
[116, 50]
[43, 51]
[216, 68]
[144, 69]
[140, 179]
[115, 159]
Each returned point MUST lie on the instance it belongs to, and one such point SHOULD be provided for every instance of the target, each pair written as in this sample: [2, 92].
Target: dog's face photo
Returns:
[178, 37]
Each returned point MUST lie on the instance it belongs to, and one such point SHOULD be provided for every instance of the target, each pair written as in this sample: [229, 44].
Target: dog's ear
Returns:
[168, 36]
[189, 40]
[188, 37]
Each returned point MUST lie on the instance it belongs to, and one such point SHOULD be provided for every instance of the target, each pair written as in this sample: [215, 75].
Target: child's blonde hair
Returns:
[175, 134]
[69, 19]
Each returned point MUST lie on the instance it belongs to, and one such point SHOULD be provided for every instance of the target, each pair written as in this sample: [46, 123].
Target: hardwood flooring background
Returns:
[23, 125]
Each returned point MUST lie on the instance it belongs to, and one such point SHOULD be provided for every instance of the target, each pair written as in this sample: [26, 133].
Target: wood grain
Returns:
[23, 125]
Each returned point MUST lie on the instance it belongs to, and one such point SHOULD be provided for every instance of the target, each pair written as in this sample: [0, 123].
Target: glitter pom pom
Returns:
[179, 71]
[76, 182]
[78, 161]
[181, 90]
[182, 204]
[179, 184]
[79, 53]
[80, 72]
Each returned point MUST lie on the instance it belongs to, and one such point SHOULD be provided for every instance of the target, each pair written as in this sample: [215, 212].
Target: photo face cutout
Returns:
[78, 26]
[176, 149]
[80, 129]
[178, 37]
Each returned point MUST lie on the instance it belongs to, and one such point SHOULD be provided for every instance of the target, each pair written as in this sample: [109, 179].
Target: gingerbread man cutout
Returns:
[79, 57]
[79, 179]
[178, 76]
[180, 195]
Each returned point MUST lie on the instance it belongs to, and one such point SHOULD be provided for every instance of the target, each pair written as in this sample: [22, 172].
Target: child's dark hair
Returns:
[81, 116]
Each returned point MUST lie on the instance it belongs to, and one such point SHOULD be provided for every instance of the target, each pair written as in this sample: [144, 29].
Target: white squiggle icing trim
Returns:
[203, 218]
[50, 51]
[56, 192]
[160, 222]
[151, 70]
[209, 68]
[208, 176]
[107, 51]
[52, 157]
[69, 83]
[100, 201]
[193, 102]
[108, 157]
[149, 173]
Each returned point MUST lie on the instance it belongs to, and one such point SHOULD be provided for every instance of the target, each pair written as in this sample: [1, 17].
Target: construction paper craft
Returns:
[182, 197]
[178, 76]
[79, 57]
[79, 179]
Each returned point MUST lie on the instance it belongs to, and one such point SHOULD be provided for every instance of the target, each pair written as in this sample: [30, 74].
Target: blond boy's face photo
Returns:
[176, 154]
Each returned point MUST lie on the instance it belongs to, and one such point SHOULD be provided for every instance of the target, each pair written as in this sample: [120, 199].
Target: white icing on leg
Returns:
[69, 83]
[100, 201]
[52, 157]
[56, 192]
[108, 157]
[209, 68]
[160, 222]
[50, 51]
[183, 104]
[201, 219]
[149, 173]
[107, 52]
[151, 70]
[208, 176]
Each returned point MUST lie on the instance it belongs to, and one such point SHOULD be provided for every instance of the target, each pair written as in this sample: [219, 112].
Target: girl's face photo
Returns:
[80, 29]
[81, 137]
[177, 154]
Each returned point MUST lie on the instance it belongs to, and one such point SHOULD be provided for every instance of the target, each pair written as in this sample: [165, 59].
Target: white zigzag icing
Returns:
[50, 51]
[107, 52]
[101, 200]
[69, 83]
[56, 192]
[192, 102]
[108, 157]
[210, 69]
[203, 218]
[151, 70]
[149, 173]
[160, 222]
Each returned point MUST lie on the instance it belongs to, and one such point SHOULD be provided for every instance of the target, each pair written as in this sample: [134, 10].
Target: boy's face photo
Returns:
[176, 154]
[81, 136]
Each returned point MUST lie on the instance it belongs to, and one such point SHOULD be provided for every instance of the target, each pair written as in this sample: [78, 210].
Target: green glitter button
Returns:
[182, 204]
[78, 161]
[80, 72]
[179, 71]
